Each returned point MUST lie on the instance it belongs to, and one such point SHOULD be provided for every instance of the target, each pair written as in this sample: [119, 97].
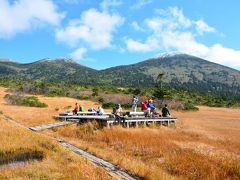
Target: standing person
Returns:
[165, 111]
[134, 103]
[76, 109]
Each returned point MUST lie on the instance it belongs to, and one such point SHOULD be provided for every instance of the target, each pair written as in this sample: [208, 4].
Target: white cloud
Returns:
[172, 31]
[94, 28]
[137, 46]
[203, 27]
[106, 4]
[136, 26]
[226, 56]
[79, 53]
[24, 15]
[140, 3]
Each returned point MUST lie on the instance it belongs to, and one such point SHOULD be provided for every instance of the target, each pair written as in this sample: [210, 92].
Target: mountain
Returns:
[180, 71]
[57, 70]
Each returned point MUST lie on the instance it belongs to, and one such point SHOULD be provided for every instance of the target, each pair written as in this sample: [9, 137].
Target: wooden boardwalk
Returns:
[49, 126]
[112, 169]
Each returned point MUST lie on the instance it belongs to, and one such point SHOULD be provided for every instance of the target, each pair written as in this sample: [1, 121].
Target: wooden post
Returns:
[136, 124]
[127, 124]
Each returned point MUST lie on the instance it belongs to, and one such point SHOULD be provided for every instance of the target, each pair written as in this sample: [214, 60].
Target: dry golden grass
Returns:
[31, 116]
[155, 153]
[203, 145]
[57, 162]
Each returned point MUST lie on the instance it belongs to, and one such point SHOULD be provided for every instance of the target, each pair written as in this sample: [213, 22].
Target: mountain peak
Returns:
[61, 59]
[5, 60]
[169, 54]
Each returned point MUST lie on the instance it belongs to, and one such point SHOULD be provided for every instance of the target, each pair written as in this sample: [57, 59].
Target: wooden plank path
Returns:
[49, 126]
[112, 169]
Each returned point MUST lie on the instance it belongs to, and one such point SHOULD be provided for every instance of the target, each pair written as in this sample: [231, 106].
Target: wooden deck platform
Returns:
[133, 120]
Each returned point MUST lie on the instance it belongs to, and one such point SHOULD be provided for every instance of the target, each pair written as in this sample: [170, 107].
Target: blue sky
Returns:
[106, 33]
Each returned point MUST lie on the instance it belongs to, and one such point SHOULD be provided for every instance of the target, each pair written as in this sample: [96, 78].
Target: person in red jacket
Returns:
[144, 107]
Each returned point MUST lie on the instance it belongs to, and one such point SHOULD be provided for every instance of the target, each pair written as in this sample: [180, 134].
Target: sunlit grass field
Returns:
[203, 145]
[40, 157]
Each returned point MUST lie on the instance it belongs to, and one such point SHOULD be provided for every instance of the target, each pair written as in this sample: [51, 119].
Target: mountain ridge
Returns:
[180, 71]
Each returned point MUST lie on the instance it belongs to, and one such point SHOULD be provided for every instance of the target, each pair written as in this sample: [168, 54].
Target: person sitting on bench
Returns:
[76, 109]
[144, 107]
[91, 109]
[165, 111]
[151, 107]
[117, 110]
[81, 108]
[100, 110]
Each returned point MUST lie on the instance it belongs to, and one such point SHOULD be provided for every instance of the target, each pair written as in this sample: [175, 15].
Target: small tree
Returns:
[159, 91]
[95, 91]
[136, 91]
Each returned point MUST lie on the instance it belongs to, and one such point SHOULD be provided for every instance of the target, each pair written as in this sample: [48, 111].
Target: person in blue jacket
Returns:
[151, 106]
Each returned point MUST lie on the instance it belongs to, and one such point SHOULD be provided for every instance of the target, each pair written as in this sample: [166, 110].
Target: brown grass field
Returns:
[203, 145]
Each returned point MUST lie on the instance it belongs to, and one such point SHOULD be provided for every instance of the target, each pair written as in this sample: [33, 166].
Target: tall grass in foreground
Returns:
[55, 162]
[153, 153]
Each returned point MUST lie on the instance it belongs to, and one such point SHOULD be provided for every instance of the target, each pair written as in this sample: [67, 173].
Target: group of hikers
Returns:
[80, 108]
[147, 107]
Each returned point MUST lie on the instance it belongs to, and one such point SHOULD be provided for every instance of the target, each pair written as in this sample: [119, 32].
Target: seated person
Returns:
[76, 109]
[81, 108]
[91, 110]
[117, 110]
[144, 107]
[151, 107]
[165, 111]
[100, 110]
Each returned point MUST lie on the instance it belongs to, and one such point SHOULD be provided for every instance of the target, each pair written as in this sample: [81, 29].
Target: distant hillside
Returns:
[181, 71]
[58, 70]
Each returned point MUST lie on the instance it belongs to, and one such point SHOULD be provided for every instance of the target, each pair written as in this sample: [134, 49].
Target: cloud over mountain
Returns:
[23, 15]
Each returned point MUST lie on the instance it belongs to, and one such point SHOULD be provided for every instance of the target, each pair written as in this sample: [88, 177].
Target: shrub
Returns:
[101, 100]
[20, 99]
[108, 105]
[33, 101]
[20, 155]
[190, 106]
[95, 92]
[82, 97]
[126, 105]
